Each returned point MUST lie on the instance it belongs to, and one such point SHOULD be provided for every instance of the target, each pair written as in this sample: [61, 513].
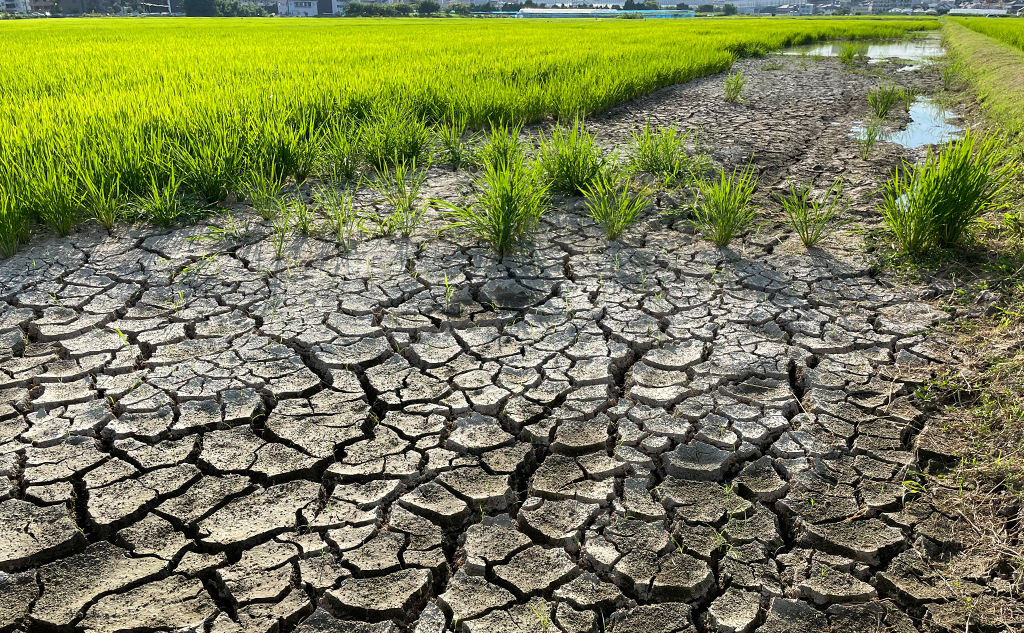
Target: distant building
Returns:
[599, 13]
[977, 12]
[885, 6]
[16, 6]
[299, 8]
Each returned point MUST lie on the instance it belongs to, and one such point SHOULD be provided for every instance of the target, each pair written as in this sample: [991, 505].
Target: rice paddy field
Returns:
[113, 109]
[1009, 31]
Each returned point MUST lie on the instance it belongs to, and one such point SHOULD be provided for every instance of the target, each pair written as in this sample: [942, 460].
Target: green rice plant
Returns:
[849, 52]
[400, 187]
[937, 202]
[503, 146]
[216, 97]
[55, 197]
[721, 209]
[883, 99]
[303, 147]
[663, 153]
[103, 200]
[342, 219]
[394, 134]
[211, 158]
[264, 190]
[613, 206]
[302, 216]
[870, 134]
[571, 158]
[734, 83]
[281, 223]
[163, 205]
[12, 224]
[457, 148]
[342, 157]
[811, 217]
[908, 96]
[508, 209]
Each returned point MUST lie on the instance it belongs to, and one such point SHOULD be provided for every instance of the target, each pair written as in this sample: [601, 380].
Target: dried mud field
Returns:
[651, 435]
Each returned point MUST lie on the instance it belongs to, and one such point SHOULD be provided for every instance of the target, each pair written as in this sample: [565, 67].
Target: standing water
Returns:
[916, 49]
[929, 125]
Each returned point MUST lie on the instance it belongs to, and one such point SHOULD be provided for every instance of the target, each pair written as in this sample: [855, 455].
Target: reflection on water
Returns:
[915, 49]
[929, 125]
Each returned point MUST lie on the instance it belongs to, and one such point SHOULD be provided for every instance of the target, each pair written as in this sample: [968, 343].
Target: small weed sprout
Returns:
[937, 202]
[400, 187]
[734, 86]
[571, 158]
[507, 210]
[542, 616]
[342, 219]
[611, 204]
[722, 209]
[883, 99]
[281, 223]
[663, 153]
[810, 217]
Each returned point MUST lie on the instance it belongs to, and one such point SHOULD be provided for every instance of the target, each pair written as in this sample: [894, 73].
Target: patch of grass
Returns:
[571, 158]
[210, 157]
[612, 204]
[851, 52]
[263, 186]
[12, 225]
[394, 134]
[507, 210]
[400, 187]
[993, 72]
[457, 148]
[811, 217]
[344, 222]
[302, 148]
[503, 147]
[722, 208]
[103, 201]
[163, 205]
[935, 204]
[734, 83]
[883, 99]
[773, 66]
[662, 153]
[341, 158]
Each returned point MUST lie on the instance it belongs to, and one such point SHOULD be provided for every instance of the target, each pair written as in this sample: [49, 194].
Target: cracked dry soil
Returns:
[652, 435]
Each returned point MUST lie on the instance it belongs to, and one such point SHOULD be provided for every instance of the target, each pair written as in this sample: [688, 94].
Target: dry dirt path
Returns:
[653, 435]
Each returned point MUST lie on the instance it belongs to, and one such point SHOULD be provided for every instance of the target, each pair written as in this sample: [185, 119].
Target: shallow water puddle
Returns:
[929, 125]
[915, 50]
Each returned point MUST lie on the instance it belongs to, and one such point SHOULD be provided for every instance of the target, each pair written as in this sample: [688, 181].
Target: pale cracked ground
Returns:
[651, 436]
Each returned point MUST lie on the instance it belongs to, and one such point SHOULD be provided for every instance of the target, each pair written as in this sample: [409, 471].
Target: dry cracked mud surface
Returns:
[651, 435]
